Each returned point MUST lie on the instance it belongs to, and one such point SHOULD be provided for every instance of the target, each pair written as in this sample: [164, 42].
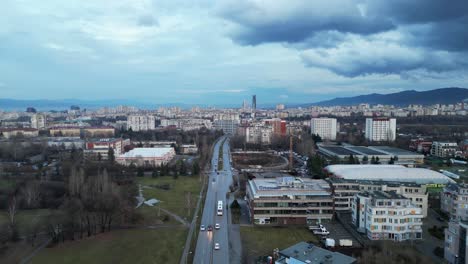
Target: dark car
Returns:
[210, 228]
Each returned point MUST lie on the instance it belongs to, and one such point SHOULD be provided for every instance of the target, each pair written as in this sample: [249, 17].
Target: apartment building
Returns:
[324, 127]
[344, 191]
[444, 149]
[454, 201]
[289, 201]
[228, 123]
[18, 132]
[456, 247]
[38, 121]
[258, 134]
[386, 216]
[380, 129]
[141, 122]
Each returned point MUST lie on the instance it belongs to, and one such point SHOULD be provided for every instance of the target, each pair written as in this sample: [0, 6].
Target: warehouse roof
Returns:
[388, 173]
[146, 152]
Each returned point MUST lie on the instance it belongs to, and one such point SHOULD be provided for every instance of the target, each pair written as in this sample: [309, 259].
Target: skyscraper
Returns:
[254, 103]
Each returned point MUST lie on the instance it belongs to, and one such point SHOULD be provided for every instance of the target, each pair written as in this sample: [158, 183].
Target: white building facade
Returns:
[386, 216]
[141, 122]
[38, 121]
[380, 129]
[326, 128]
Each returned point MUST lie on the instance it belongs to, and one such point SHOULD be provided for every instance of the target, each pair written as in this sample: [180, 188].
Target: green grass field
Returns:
[260, 241]
[25, 218]
[120, 246]
[175, 198]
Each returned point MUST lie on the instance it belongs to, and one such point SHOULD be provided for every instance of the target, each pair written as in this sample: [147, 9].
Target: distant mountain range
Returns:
[438, 96]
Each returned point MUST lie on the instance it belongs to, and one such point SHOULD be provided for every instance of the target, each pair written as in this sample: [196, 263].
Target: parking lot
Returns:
[338, 231]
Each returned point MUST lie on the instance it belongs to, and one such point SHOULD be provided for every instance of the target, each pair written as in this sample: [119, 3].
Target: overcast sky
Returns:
[173, 51]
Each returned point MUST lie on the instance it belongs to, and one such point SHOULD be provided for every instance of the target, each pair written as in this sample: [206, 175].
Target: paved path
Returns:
[176, 217]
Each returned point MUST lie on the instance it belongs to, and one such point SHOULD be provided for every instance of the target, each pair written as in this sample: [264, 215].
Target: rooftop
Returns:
[396, 173]
[146, 152]
[311, 254]
[281, 186]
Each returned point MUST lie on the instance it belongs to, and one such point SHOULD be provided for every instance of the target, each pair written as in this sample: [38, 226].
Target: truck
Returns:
[345, 243]
[330, 242]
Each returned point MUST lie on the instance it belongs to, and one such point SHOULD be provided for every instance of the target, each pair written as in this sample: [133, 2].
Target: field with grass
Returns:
[26, 218]
[119, 246]
[174, 198]
[260, 241]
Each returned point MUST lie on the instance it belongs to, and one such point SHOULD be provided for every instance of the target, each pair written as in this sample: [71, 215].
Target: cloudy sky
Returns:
[173, 51]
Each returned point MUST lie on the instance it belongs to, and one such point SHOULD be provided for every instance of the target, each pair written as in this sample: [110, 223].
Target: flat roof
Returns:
[393, 150]
[146, 152]
[280, 186]
[340, 150]
[366, 151]
[388, 173]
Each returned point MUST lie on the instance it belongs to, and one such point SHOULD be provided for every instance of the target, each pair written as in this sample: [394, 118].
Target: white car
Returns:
[202, 228]
[216, 246]
[217, 226]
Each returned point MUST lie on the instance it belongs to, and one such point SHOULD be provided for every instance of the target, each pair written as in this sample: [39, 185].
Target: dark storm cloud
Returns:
[360, 37]
[261, 25]
[420, 11]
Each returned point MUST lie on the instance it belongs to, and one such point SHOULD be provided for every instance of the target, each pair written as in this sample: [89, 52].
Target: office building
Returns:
[100, 147]
[141, 122]
[380, 129]
[443, 149]
[386, 216]
[289, 201]
[324, 127]
[344, 191]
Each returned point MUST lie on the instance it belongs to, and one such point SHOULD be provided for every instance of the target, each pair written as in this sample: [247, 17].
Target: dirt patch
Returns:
[256, 160]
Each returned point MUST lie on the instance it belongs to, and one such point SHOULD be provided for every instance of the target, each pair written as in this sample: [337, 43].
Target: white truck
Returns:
[345, 243]
[330, 242]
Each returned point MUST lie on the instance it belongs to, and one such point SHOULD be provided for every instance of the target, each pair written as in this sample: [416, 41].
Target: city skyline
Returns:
[216, 51]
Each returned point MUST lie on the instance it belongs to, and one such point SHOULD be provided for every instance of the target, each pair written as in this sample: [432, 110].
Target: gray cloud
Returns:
[300, 21]
[348, 38]
[147, 21]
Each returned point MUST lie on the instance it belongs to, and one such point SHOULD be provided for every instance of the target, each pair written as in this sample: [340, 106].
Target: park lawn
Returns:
[260, 241]
[132, 246]
[25, 218]
[173, 199]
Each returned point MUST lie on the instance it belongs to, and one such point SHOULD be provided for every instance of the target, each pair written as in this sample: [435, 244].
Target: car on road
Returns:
[202, 228]
[217, 226]
[210, 228]
[216, 246]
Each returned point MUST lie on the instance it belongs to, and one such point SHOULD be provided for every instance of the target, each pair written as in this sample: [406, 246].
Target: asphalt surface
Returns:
[218, 186]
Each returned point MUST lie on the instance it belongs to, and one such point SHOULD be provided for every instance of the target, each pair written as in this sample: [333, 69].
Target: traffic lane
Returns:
[221, 235]
[204, 248]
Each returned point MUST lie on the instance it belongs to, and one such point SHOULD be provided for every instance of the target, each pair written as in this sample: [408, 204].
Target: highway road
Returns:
[218, 186]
